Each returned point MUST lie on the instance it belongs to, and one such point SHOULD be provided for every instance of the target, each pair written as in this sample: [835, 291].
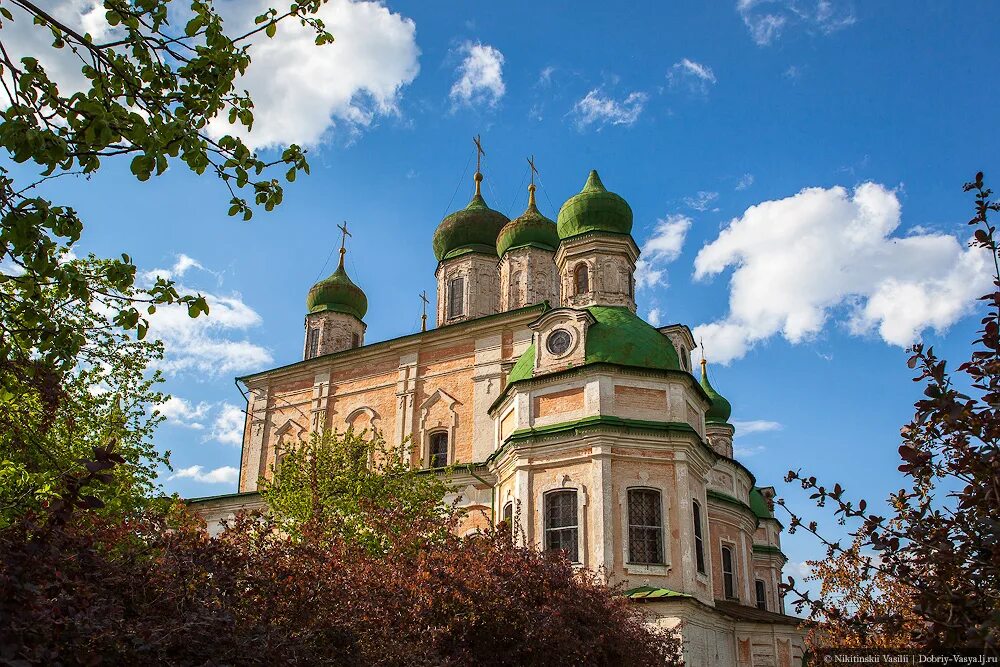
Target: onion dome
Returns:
[473, 229]
[338, 294]
[594, 209]
[531, 228]
[720, 409]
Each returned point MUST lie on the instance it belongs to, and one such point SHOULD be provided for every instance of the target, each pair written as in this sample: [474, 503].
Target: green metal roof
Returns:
[652, 593]
[531, 228]
[594, 209]
[721, 409]
[618, 337]
[759, 504]
[337, 293]
[472, 229]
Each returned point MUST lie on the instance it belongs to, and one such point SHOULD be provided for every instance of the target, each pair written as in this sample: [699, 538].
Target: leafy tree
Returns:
[150, 92]
[356, 486]
[53, 421]
[939, 549]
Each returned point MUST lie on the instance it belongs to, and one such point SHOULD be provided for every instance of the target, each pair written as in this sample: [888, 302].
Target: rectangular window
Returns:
[761, 595]
[561, 527]
[699, 544]
[439, 450]
[508, 518]
[728, 574]
[312, 343]
[456, 297]
[645, 527]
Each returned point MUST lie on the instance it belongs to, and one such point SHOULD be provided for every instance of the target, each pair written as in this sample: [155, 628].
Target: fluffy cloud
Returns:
[747, 452]
[744, 182]
[654, 317]
[755, 426]
[480, 76]
[228, 425]
[301, 92]
[696, 78]
[223, 475]
[702, 200]
[661, 248]
[797, 259]
[182, 413]
[767, 19]
[594, 109]
[177, 271]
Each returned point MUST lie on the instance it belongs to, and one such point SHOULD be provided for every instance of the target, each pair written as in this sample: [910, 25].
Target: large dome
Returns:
[531, 228]
[594, 209]
[473, 229]
[339, 294]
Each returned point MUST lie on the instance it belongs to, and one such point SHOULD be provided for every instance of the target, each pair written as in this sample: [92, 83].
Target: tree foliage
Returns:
[938, 552]
[51, 421]
[356, 486]
[149, 93]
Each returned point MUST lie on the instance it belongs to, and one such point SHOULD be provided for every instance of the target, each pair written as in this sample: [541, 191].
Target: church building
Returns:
[545, 399]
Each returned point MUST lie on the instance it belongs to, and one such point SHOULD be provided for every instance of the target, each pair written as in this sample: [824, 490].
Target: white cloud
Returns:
[228, 425]
[303, 92]
[797, 259]
[480, 76]
[746, 452]
[182, 413]
[663, 247]
[745, 181]
[545, 77]
[654, 317]
[698, 79]
[767, 19]
[223, 475]
[702, 200]
[177, 271]
[597, 110]
[755, 426]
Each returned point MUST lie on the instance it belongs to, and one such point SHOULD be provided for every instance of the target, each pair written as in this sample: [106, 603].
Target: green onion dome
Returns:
[531, 228]
[473, 229]
[720, 409]
[594, 209]
[338, 294]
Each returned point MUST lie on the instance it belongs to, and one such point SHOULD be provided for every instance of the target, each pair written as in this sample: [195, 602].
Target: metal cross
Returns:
[534, 170]
[423, 318]
[479, 151]
[343, 235]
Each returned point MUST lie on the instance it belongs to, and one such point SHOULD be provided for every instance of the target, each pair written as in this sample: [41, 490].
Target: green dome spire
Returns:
[338, 294]
[531, 228]
[594, 209]
[472, 229]
[720, 409]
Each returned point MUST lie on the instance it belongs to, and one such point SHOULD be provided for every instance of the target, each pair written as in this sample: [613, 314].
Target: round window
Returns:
[558, 341]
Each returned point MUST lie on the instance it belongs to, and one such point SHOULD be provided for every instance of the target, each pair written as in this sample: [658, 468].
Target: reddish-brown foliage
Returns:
[159, 591]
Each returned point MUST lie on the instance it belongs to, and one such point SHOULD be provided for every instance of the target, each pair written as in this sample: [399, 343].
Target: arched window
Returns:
[355, 340]
[438, 454]
[728, 573]
[699, 543]
[645, 527]
[581, 278]
[685, 358]
[456, 297]
[312, 342]
[508, 518]
[515, 290]
[561, 523]
[761, 590]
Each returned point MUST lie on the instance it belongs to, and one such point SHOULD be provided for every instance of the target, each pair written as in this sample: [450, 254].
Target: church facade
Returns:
[549, 402]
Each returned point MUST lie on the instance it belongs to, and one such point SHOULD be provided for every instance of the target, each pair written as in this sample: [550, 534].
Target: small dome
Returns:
[720, 409]
[473, 229]
[531, 228]
[338, 294]
[594, 209]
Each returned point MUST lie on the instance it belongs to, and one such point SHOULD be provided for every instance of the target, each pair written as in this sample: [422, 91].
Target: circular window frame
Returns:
[570, 344]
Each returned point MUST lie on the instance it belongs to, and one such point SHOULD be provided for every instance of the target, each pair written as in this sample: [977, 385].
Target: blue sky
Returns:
[850, 127]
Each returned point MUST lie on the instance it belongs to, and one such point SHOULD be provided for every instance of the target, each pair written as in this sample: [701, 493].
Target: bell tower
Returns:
[335, 311]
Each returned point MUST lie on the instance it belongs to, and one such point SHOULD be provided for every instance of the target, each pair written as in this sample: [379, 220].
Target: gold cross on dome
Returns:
[343, 235]
[534, 169]
[423, 318]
